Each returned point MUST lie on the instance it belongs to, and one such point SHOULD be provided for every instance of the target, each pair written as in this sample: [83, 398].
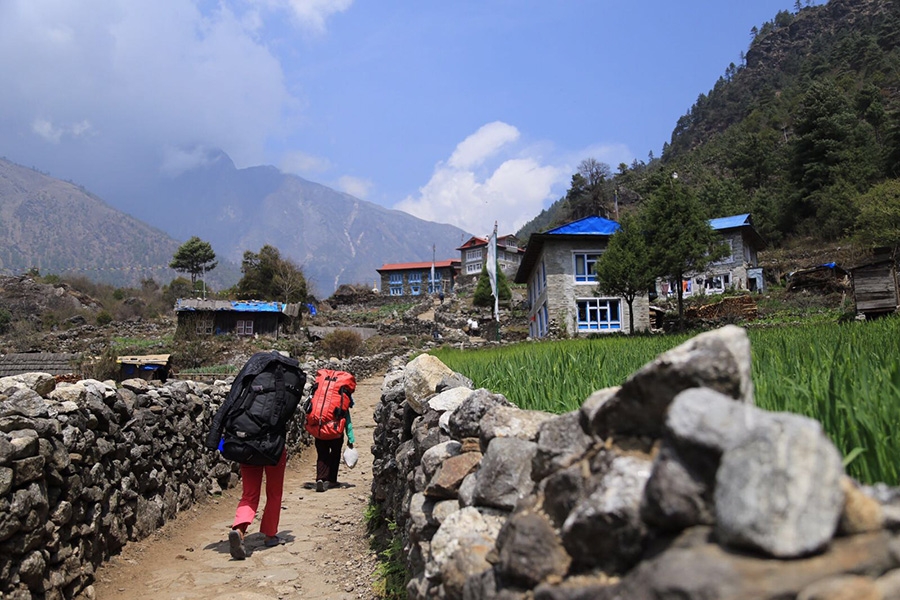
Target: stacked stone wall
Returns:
[673, 485]
[87, 467]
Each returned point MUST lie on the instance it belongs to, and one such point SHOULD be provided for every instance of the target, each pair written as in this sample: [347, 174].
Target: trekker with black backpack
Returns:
[251, 428]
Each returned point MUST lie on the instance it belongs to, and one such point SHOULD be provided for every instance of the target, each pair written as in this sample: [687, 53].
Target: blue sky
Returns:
[460, 112]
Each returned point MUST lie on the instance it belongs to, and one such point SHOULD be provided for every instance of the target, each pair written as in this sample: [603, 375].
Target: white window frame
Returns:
[474, 254]
[585, 260]
[473, 268]
[597, 314]
[205, 326]
[244, 327]
[713, 283]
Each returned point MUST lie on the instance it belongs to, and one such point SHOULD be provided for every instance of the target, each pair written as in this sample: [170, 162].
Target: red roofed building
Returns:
[474, 252]
[414, 279]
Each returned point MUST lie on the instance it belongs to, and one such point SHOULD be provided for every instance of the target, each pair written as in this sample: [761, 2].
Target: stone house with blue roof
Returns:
[238, 317]
[558, 266]
[739, 269]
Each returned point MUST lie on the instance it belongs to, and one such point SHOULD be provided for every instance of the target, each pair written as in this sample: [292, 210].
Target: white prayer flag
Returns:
[491, 266]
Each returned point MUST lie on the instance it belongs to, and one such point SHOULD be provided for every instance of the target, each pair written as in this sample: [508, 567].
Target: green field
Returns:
[847, 376]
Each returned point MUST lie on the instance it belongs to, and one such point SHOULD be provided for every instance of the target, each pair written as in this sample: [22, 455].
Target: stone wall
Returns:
[673, 485]
[87, 467]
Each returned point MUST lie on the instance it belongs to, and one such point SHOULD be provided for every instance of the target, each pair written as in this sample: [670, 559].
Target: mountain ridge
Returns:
[335, 237]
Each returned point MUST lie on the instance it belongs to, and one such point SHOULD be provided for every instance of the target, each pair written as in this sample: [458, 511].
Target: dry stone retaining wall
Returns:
[673, 485]
[89, 466]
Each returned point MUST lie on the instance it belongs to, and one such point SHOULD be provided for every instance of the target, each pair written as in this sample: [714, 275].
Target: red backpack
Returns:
[329, 403]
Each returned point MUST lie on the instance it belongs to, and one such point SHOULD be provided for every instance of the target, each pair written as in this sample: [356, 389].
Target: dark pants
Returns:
[328, 453]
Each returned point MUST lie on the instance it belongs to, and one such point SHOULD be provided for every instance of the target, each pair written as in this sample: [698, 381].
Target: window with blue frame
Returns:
[584, 266]
[598, 314]
[395, 281]
[415, 283]
[435, 285]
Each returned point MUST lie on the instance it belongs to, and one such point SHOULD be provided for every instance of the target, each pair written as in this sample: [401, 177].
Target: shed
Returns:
[875, 286]
[54, 363]
[239, 317]
[148, 366]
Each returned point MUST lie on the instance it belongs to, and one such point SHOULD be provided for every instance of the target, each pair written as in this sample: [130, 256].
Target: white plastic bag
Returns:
[350, 457]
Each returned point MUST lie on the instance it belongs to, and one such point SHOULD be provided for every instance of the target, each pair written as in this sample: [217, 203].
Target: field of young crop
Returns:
[846, 376]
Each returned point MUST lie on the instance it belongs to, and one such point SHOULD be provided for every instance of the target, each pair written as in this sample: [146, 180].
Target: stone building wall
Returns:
[562, 290]
[673, 485]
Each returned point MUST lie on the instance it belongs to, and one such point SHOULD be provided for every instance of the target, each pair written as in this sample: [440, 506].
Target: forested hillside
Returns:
[804, 133]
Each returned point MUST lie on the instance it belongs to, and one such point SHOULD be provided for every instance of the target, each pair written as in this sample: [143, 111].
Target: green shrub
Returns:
[104, 318]
[342, 343]
[483, 295]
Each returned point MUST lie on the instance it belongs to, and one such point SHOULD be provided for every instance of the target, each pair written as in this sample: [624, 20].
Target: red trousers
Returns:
[251, 484]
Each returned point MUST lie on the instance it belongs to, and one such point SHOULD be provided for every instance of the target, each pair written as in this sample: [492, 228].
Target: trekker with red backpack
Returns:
[327, 419]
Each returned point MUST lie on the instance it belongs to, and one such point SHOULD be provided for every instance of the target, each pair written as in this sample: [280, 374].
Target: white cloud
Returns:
[510, 189]
[138, 76]
[482, 144]
[355, 186]
[304, 165]
[310, 14]
[179, 160]
[46, 130]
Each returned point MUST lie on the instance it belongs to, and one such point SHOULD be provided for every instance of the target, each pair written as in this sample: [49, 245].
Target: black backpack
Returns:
[251, 425]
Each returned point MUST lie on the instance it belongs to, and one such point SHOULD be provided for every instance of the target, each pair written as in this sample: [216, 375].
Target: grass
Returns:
[391, 573]
[846, 376]
[142, 343]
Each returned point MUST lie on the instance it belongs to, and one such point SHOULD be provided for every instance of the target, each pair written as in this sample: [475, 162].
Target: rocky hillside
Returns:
[57, 227]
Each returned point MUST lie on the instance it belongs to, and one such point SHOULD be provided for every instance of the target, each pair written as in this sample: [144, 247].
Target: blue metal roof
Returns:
[587, 226]
[254, 306]
[730, 222]
[227, 305]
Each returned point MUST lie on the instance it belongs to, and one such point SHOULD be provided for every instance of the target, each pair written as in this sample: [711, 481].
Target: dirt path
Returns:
[326, 554]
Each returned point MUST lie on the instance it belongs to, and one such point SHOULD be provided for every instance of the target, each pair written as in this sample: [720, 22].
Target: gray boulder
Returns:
[465, 422]
[718, 359]
[510, 421]
[422, 376]
[605, 529]
[560, 443]
[530, 550]
[505, 473]
[778, 489]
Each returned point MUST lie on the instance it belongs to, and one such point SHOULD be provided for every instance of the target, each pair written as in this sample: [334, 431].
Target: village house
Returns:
[739, 269]
[473, 254]
[238, 317]
[558, 266]
[415, 278]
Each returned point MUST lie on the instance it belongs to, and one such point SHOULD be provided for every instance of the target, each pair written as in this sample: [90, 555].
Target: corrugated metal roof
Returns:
[417, 265]
[183, 304]
[730, 222]
[592, 225]
[37, 362]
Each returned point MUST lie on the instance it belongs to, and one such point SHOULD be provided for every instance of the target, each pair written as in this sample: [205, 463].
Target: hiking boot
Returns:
[236, 545]
[320, 486]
